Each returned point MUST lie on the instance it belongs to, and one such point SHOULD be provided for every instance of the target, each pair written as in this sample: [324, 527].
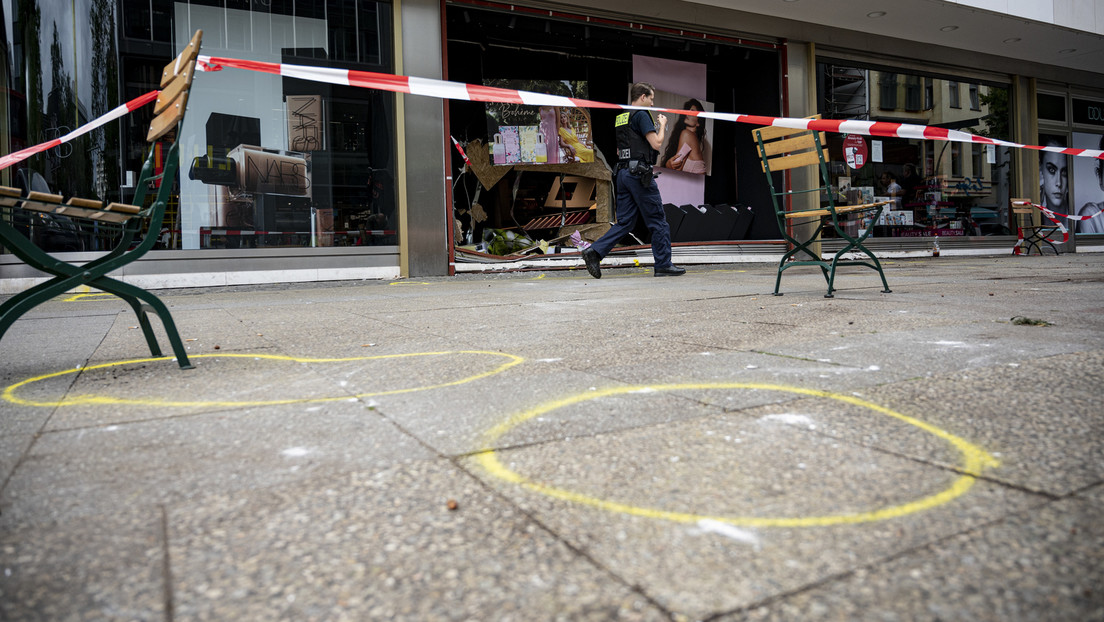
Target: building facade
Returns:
[286, 179]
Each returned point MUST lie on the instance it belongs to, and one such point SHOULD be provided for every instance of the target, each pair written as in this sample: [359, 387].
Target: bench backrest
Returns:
[1022, 206]
[783, 148]
[176, 79]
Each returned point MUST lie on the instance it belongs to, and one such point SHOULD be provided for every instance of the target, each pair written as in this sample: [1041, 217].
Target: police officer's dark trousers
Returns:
[633, 199]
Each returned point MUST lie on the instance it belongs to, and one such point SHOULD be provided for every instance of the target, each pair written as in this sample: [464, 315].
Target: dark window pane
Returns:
[136, 19]
[1052, 107]
[311, 9]
[372, 35]
[162, 20]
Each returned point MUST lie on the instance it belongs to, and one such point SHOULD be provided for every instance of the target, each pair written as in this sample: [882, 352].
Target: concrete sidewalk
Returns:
[545, 446]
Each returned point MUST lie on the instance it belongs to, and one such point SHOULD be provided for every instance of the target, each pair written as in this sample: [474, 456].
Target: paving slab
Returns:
[1041, 564]
[628, 448]
[754, 508]
[152, 460]
[384, 545]
[105, 567]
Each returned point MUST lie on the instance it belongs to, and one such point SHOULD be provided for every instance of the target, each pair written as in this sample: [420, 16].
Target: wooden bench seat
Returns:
[840, 209]
[9, 197]
[75, 207]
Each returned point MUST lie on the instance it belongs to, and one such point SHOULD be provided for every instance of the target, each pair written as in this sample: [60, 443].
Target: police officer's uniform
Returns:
[637, 192]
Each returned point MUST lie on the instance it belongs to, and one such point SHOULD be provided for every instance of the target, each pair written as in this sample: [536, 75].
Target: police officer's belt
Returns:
[630, 164]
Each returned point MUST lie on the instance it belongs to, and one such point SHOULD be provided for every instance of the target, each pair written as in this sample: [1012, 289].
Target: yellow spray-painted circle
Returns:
[974, 460]
[9, 394]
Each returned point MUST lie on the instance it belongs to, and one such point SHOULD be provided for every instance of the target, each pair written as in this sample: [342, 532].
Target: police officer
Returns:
[638, 143]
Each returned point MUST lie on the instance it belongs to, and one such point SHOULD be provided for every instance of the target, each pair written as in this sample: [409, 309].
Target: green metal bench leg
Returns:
[801, 247]
[143, 322]
[877, 265]
[133, 295]
[68, 276]
[852, 244]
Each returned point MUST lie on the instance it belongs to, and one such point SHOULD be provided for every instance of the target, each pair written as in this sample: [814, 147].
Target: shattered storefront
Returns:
[537, 184]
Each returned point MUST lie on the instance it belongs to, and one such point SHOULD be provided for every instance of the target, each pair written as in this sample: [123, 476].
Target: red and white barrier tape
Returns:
[117, 113]
[444, 89]
[464, 155]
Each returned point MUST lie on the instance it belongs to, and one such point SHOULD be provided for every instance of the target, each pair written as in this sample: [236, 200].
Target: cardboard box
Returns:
[579, 192]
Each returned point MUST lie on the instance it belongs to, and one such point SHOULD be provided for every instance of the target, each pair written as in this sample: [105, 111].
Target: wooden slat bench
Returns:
[782, 149]
[1032, 235]
[126, 222]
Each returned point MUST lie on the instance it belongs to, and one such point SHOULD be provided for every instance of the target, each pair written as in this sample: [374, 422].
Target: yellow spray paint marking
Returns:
[9, 393]
[399, 283]
[76, 297]
[974, 460]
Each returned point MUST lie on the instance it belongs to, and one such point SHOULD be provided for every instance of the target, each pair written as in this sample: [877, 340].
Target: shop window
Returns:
[284, 162]
[147, 20]
[1087, 193]
[938, 187]
[845, 91]
[523, 149]
[137, 19]
[354, 33]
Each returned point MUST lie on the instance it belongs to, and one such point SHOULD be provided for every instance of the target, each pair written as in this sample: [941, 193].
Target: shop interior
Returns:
[516, 208]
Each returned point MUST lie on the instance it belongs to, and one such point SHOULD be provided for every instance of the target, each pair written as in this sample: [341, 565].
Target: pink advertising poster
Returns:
[676, 82]
[536, 135]
[687, 148]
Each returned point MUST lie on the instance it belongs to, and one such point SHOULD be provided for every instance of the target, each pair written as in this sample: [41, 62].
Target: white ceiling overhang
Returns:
[956, 25]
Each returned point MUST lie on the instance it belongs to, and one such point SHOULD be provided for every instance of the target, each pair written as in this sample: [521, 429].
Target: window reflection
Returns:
[938, 187]
[265, 161]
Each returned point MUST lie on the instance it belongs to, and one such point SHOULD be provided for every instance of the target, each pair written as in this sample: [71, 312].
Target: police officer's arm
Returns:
[655, 139]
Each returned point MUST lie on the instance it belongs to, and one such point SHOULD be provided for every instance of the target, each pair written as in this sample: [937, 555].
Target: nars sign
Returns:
[1088, 112]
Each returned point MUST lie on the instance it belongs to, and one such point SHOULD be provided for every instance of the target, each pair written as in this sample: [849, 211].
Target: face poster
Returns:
[686, 147]
[1088, 190]
[1054, 175]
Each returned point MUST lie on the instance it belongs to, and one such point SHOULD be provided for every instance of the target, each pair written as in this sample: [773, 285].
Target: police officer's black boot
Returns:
[671, 270]
[593, 261]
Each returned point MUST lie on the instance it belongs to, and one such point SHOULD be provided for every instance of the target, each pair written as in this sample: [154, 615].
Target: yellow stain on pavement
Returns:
[974, 460]
[76, 297]
[9, 393]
